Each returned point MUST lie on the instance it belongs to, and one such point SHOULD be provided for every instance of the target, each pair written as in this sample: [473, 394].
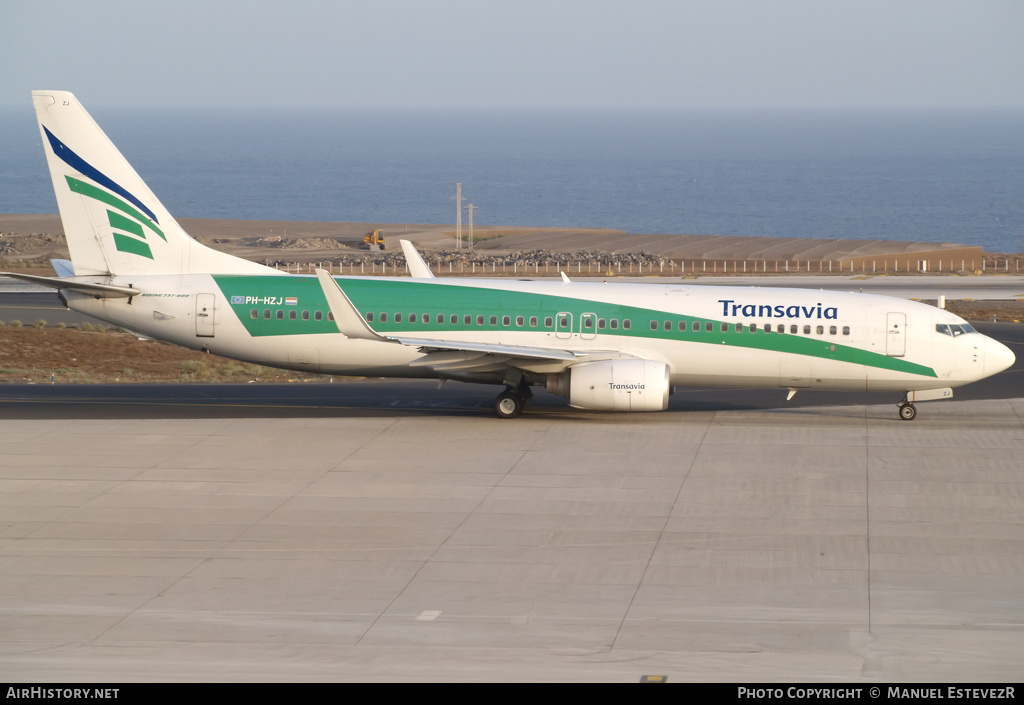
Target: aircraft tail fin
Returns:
[113, 222]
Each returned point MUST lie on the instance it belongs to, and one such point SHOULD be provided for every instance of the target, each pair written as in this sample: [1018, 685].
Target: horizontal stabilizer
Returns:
[100, 291]
[63, 267]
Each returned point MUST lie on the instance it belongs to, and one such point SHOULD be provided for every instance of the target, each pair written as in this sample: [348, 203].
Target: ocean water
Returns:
[913, 175]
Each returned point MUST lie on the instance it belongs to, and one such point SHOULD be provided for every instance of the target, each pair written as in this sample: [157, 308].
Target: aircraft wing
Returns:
[466, 356]
[453, 355]
[417, 267]
[427, 345]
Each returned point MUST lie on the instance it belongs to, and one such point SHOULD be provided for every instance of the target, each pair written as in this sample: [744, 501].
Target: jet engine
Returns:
[614, 385]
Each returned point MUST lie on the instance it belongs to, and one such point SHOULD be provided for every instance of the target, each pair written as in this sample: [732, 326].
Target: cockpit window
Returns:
[954, 329]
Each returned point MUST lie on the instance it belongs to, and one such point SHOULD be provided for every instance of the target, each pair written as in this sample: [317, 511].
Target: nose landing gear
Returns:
[907, 411]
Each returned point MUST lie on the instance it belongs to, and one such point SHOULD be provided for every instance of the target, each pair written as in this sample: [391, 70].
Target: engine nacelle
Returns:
[614, 385]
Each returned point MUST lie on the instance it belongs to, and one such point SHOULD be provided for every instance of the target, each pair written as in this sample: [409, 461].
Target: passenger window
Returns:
[793, 329]
[533, 321]
[506, 320]
[739, 327]
[383, 318]
[753, 327]
[626, 323]
[563, 322]
[519, 321]
[467, 320]
[494, 320]
[412, 318]
[668, 325]
[291, 315]
[454, 319]
[695, 327]
[725, 327]
[549, 321]
[479, 320]
[330, 316]
[780, 328]
[588, 322]
[709, 327]
[654, 325]
[767, 327]
[682, 326]
[369, 317]
[600, 323]
[846, 330]
[821, 330]
[305, 315]
[425, 318]
[319, 315]
[280, 315]
[832, 330]
[807, 330]
[254, 314]
[266, 314]
[614, 323]
[398, 318]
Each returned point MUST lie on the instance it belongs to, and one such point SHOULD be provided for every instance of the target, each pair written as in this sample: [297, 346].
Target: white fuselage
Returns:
[898, 338]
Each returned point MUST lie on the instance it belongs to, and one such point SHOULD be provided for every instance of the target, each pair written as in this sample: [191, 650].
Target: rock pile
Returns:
[531, 259]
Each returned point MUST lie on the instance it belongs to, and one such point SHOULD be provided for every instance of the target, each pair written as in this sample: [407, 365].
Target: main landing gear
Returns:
[512, 401]
[907, 411]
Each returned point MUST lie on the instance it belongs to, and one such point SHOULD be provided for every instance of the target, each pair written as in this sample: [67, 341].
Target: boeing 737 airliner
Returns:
[605, 346]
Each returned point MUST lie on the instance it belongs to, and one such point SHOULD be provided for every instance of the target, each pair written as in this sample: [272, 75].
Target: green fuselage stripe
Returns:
[260, 294]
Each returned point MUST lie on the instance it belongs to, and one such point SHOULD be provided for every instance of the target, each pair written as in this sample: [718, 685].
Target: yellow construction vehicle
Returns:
[372, 239]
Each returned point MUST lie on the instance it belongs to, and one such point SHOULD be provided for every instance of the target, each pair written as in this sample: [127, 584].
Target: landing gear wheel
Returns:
[509, 404]
[907, 411]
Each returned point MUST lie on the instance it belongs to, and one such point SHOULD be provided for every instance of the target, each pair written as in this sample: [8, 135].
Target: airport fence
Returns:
[645, 265]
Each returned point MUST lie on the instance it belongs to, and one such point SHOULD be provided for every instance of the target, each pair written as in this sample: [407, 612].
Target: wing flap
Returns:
[493, 349]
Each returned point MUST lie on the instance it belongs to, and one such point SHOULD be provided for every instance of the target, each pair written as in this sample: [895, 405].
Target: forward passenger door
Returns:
[896, 334]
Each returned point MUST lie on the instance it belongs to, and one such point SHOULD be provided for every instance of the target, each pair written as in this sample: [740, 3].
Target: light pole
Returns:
[471, 208]
[458, 216]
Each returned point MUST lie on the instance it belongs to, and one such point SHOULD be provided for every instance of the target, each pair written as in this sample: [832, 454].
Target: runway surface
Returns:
[377, 530]
[391, 531]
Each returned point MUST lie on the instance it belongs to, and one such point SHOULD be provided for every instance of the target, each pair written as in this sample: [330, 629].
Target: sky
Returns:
[518, 54]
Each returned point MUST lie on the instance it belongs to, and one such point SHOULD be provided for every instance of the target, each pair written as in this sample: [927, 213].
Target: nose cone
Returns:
[998, 357]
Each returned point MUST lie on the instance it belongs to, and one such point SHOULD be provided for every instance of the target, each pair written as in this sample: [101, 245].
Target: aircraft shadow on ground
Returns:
[378, 398]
